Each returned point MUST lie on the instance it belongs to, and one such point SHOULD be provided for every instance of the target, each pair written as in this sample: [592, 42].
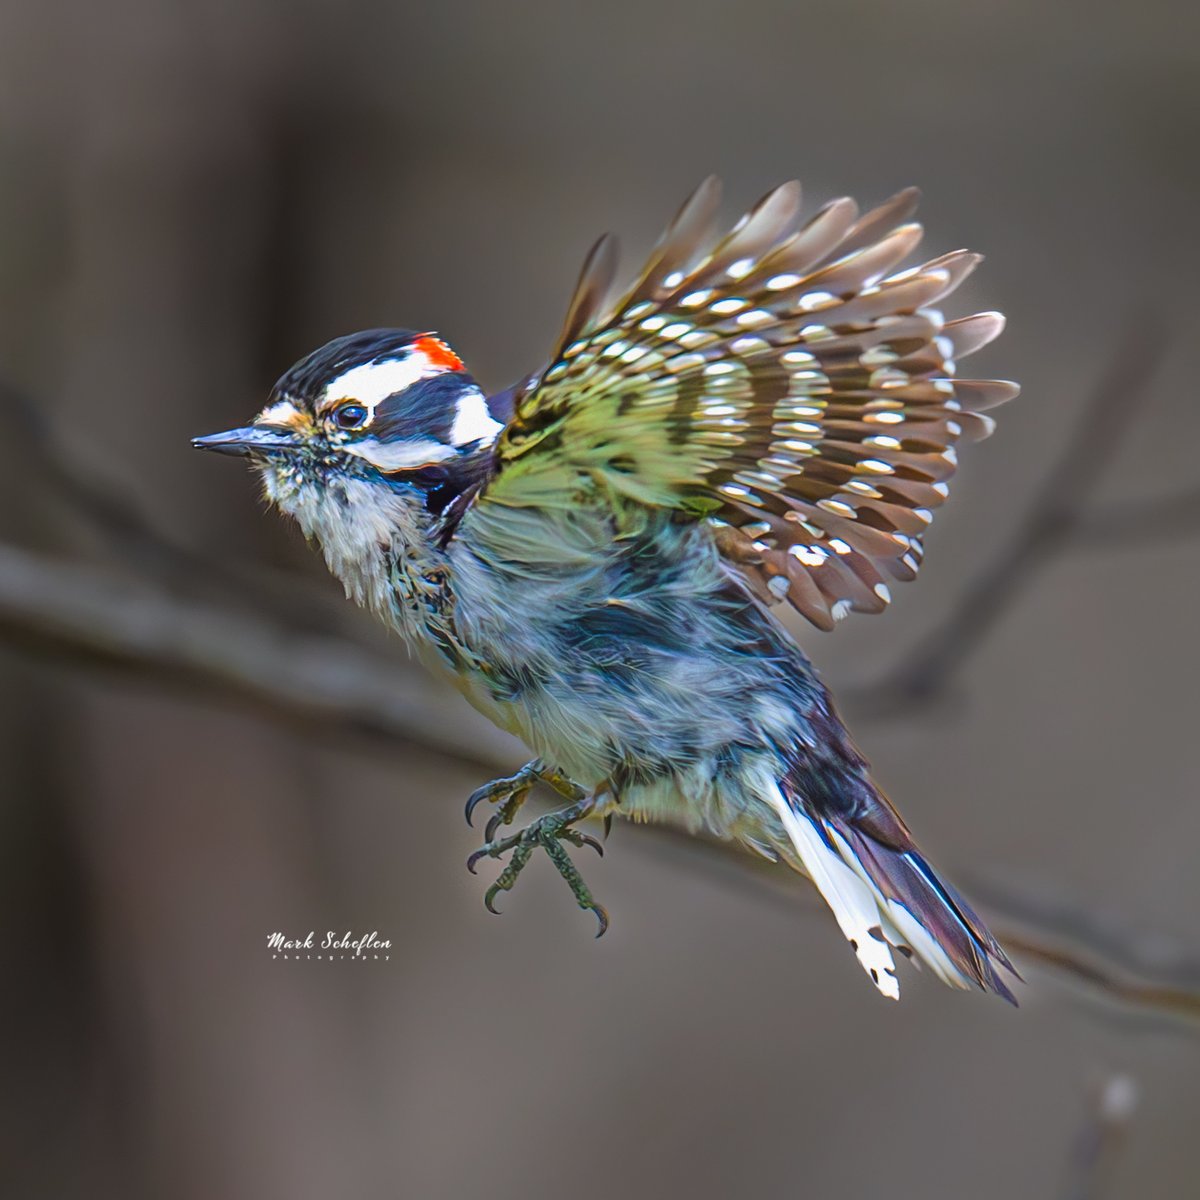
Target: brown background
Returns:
[191, 196]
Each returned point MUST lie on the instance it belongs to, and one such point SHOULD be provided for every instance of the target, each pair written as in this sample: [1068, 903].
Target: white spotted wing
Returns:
[790, 384]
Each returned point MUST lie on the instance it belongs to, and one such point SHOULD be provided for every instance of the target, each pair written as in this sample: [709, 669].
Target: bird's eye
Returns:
[350, 416]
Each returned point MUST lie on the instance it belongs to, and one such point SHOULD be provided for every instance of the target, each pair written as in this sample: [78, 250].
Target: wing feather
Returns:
[873, 225]
[691, 228]
[792, 387]
[595, 282]
[816, 241]
[760, 230]
[968, 334]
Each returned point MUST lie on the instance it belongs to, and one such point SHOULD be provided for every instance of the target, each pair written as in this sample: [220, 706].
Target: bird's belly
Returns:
[648, 720]
[630, 661]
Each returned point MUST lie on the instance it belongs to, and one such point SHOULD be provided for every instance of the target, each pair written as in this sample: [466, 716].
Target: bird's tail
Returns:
[885, 894]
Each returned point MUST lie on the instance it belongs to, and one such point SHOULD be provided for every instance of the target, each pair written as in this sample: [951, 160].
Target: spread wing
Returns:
[787, 384]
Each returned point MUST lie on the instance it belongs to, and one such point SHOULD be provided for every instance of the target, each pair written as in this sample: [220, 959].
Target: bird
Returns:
[762, 423]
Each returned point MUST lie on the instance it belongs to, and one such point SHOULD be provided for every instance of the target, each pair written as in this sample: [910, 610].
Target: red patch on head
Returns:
[437, 354]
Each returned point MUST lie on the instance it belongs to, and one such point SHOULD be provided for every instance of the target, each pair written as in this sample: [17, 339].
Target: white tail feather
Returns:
[868, 918]
[855, 904]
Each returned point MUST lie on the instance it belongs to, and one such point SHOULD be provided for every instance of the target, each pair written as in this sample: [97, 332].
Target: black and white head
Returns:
[367, 440]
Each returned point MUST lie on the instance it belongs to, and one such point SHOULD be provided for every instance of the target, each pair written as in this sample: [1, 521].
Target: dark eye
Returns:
[350, 416]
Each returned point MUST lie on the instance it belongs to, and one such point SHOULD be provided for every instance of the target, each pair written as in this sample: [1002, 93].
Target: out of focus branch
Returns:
[1150, 521]
[1050, 939]
[130, 534]
[90, 618]
[94, 618]
[1058, 517]
[77, 484]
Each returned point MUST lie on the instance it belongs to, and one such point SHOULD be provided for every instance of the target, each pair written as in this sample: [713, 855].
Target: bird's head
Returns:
[367, 439]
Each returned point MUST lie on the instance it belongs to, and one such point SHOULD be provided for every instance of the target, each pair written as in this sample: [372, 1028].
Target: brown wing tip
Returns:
[704, 199]
[602, 257]
[595, 281]
[969, 334]
[841, 205]
[980, 395]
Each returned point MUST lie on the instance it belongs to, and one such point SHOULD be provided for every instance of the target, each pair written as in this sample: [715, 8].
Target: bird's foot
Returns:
[511, 792]
[549, 832]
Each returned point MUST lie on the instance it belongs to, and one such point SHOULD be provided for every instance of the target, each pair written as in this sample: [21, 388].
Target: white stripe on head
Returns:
[472, 420]
[400, 455]
[372, 383]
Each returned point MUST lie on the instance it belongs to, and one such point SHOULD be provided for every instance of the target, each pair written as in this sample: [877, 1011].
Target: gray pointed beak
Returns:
[255, 439]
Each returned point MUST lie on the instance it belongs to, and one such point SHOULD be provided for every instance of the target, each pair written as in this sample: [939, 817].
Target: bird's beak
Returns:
[255, 439]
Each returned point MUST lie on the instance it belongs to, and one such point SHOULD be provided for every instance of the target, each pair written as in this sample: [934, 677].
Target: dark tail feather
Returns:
[884, 893]
[925, 909]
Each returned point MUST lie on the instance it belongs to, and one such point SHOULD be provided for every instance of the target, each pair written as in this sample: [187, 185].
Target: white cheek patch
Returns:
[372, 383]
[402, 455]
[472, 421]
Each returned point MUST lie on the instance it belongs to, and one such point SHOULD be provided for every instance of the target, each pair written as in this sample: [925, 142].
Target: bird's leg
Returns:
[549, 832]
[510, 793]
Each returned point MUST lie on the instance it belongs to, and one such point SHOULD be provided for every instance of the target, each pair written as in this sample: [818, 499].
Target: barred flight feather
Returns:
[791, 386]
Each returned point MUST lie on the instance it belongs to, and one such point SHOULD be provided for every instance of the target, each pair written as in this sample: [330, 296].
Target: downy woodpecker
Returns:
[767, 417]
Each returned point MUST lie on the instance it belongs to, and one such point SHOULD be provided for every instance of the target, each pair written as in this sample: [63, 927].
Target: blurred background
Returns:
[202, 743]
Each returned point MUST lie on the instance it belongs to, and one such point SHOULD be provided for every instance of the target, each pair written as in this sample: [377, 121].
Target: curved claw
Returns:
[588, 840]
[489, 900]
[602, 917]
[607, 825]
[494, 822]
[474, 800]
[475, 858]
